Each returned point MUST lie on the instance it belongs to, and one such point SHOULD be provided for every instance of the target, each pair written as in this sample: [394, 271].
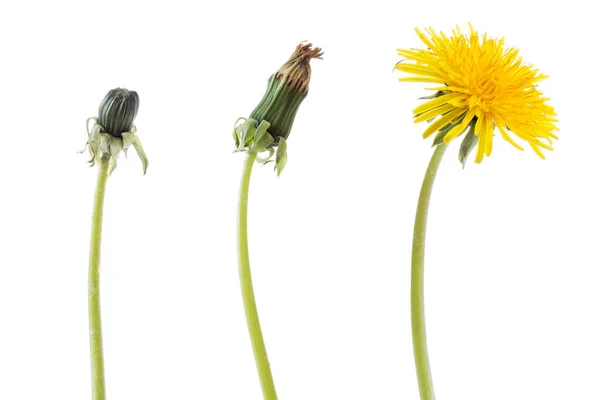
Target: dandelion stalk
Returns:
[112, 132]
[96, 349]
[266, 132]
[417, 293]
[256, 336]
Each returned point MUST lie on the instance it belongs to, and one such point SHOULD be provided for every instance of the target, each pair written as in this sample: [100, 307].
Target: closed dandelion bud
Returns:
[271, 121]
[113, 130]
[118, 111]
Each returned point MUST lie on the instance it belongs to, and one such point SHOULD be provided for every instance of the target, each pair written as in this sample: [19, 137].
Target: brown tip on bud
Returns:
[296, 71]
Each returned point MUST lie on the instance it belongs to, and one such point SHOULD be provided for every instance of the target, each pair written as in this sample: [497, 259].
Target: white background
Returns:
[512, 259]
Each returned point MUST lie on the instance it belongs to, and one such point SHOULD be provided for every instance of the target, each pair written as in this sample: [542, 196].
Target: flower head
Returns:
[113, 130]
[271, 121]
[480, 85]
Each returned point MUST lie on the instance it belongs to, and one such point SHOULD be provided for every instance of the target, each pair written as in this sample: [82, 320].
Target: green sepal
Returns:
[267, 159]
[101, 143]
[250, 137]
[235, 135]
[127, 138]
[262, 138]
[104, 144]
[467, 145]
[137, 145]
[115, 145]
[243, 134]
[439, 138]
[281, 156]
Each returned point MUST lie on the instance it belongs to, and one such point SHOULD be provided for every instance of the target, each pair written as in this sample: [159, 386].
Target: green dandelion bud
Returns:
[118, 111]
[113, 130]
[271, 121]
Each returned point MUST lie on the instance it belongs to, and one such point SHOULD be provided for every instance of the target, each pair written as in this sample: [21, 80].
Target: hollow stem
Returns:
[96, 350]
[256, 337]
[417, 297]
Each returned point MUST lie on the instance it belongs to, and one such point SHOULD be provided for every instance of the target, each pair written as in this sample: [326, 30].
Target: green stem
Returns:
[256, 337]
[96, 351]
[417, 297]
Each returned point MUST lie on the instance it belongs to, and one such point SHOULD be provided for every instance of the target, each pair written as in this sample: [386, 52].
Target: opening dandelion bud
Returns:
[286, 90]
[275, 114]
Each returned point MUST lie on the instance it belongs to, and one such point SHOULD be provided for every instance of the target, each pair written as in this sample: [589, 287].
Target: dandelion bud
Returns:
[118, 111]
[285, 91]
[271, 121]
[113, 130]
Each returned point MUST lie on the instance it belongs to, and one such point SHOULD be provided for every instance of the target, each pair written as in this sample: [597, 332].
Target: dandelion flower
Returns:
[479, 85]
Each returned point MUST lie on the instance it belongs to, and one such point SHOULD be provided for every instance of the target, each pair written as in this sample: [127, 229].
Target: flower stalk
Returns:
[417, 287]
[252, 320]
[95, 320]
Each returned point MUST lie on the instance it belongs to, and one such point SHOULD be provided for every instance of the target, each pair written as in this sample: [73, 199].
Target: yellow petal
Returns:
[458, 129]
[442, 121]
[434, 112]
[481, 140]
[508, 138]
[434, 103]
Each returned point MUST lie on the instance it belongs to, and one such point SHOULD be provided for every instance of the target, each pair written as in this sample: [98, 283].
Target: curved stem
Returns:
[417, 303]
[256, 337]
[96, 351]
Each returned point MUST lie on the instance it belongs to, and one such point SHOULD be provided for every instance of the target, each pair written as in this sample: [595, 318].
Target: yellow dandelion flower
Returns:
[481, 85]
